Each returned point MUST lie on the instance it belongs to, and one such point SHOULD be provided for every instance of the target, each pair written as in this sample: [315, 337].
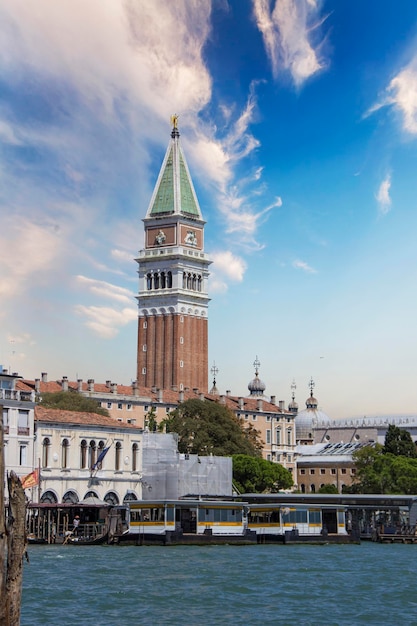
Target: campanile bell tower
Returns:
[173, 274]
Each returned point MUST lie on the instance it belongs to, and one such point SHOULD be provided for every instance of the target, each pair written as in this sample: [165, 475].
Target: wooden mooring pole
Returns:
[12, 542]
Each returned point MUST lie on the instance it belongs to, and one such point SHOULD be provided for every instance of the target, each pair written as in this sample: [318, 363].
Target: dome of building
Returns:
[307, 420]
[256, 386]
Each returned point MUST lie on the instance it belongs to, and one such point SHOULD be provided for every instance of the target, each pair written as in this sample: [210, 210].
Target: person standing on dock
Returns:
[75, 524]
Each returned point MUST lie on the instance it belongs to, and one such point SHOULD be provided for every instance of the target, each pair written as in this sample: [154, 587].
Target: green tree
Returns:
[398, 441]
[71, 401]
[328, 488]
[256, 475]
[378, 471]
[205, 428]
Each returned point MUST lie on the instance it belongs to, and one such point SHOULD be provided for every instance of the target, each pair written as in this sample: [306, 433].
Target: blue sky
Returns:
[299, 123]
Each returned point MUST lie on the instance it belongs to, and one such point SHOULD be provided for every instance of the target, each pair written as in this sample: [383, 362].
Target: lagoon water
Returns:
[191, 585]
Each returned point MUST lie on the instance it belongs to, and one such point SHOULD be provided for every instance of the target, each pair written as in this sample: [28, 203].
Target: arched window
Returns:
[149, 281]
[64, 453]
[92, 453]
[83, 456]
[169, 280]
[199, 283]
[91, 494]
[49, 497]
[163, 280]
[313, 488]
[156, 281]
[111, 498]
[46, 448]
[188, 281]
[194, 283]
[303, 488]
[130, 497]
[278, 436]
[289, 437]
[117, 464]
[134, 457]
[70, 497]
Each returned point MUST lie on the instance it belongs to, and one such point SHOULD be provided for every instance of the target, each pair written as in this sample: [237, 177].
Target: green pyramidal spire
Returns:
[174, 192]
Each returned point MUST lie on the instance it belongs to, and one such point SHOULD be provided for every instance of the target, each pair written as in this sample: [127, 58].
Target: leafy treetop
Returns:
[205, 428]
[71, 401]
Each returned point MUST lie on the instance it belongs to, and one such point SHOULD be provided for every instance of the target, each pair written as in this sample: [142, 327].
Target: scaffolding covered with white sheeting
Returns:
[169, 475]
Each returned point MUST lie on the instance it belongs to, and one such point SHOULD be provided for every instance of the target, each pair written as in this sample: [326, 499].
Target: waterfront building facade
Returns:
[129, 405]
[172, 349]
[325, 464]
[18, 406]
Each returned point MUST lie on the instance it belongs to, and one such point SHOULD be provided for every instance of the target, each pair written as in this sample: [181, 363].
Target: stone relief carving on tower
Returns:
[190, 238]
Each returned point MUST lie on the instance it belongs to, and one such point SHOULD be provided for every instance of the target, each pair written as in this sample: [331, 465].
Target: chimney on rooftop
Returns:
[259, 404]
[195, 389]
[201, 396]
[135, 389]
[174, 387]
[44, 377]
[37, 385]
[222, 400]
[159, 396]
[153, 389]
[273, 400]
[240, 402]
[64, 383]
[90, 384]
[181, 396]
[108, 383]
[79, 385]
[282, 405]
[228, 392]
[114, 387]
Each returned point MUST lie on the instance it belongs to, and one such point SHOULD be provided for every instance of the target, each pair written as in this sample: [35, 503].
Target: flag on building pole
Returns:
[30, 480]
[100, 457]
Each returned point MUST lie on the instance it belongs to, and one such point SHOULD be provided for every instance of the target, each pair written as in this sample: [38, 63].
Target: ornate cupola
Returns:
[173, 276]
[293, 406]
[256, 386]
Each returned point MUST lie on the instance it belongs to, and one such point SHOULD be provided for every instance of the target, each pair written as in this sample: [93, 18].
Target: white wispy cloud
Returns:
[105, 321]
[106, 290]
[305, 267]
[383, 195]
[401, 94]
[287, 30]
[229, 265]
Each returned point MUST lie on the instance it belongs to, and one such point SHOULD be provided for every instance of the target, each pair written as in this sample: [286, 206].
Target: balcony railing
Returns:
[15, 394]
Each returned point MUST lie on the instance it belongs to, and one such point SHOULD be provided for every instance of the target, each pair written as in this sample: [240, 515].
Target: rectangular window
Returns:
[289, 437]
[144, 348]
[268, 457]
[289, 458]
[254, 418]
[312, 471]
[129, 406]
[268, 418]
[322, 471]
[146, 407]
[353, 470]
[109, 405]
[23, 422]
[23, 455]
[145, 325]
[278, 436]
[268, 435]
[181, 339]
[333, 471]
[143, 370]
[119, 405]
[302, 471]
[181, 363]
[343, 470]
